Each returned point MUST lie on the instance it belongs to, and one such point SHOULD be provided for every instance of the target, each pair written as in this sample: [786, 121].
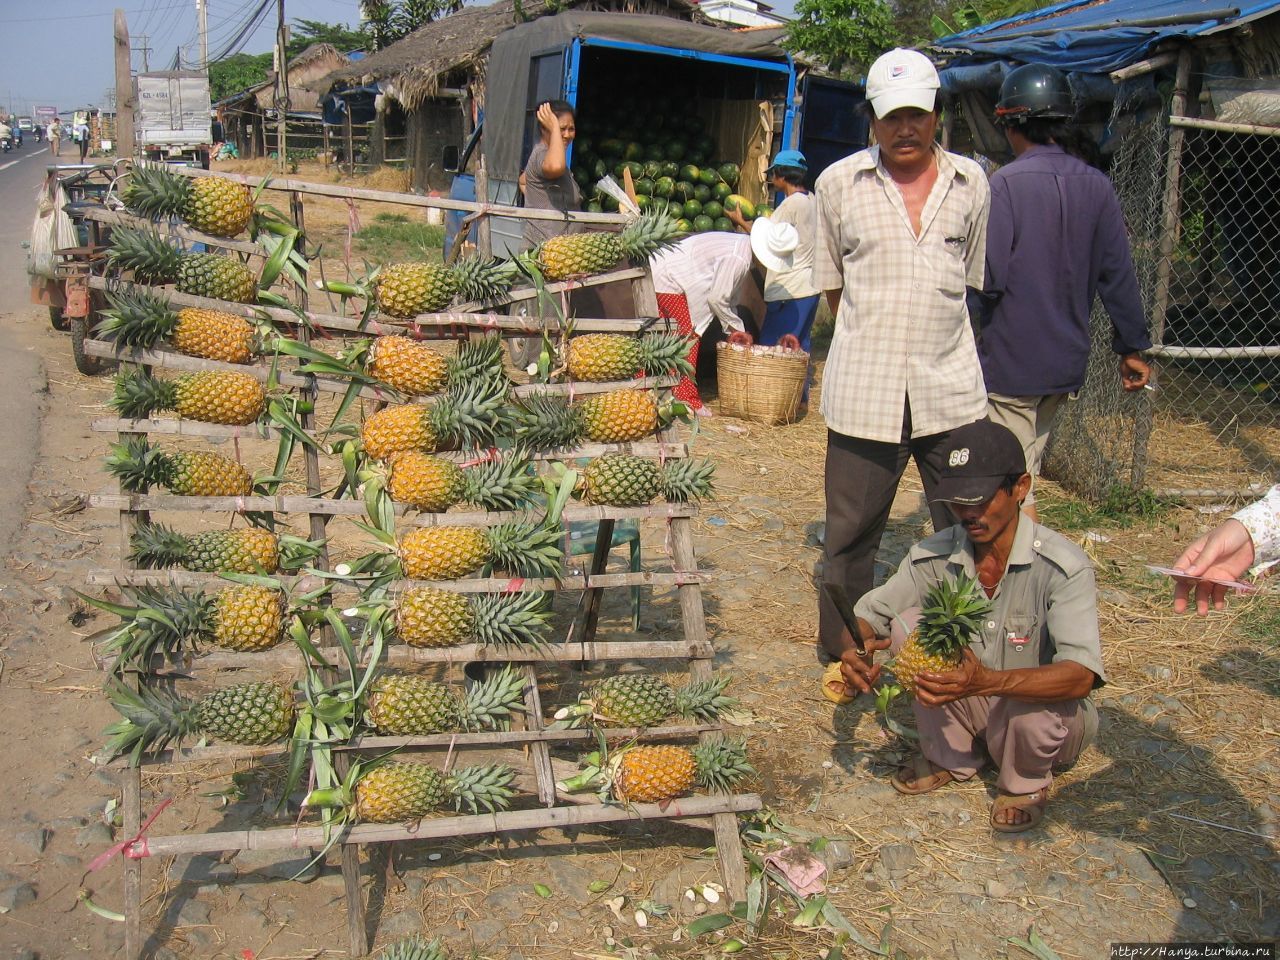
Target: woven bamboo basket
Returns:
[762, 386]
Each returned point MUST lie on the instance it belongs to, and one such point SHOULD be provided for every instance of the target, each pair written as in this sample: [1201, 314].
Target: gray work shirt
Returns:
[1045, 609]
[559, 194]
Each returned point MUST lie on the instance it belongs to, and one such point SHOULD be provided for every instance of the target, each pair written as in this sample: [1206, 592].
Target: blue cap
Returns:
[790, 158]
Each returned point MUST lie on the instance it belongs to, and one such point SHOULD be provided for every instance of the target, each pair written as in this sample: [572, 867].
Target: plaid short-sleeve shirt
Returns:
[902, 329]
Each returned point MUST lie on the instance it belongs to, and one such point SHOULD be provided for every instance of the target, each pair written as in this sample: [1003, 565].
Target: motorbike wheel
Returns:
[89, 366]
[58, 320]
[522, 350]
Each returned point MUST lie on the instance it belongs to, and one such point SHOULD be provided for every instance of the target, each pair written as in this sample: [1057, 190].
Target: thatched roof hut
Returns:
[308, 83]
[450, 52]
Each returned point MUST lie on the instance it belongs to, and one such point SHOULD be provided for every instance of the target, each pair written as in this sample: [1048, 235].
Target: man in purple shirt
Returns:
[1056, 239]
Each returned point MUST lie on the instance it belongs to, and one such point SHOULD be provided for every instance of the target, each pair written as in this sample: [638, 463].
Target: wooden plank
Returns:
[122, 218]
[599, 560]
[299, 838]
[171, 426]
[1219, 126]
[131, 823]
[408, 199]
[573, 580]
[539, 753]
[356, 508]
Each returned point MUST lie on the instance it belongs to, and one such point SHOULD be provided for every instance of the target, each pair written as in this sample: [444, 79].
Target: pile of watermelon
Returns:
[672, 168]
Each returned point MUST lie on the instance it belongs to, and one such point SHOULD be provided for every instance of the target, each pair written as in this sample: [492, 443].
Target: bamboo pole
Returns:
[1171, 202]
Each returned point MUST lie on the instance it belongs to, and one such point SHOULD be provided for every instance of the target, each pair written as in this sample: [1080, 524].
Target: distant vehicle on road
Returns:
[26, 125]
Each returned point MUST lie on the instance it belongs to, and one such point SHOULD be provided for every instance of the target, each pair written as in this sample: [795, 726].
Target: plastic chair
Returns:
[582, 540]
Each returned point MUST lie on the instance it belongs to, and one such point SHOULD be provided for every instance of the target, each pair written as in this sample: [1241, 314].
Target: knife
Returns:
[840, 600]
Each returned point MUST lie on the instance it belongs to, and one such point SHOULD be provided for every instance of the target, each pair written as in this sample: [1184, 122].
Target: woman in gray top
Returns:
[546, 182]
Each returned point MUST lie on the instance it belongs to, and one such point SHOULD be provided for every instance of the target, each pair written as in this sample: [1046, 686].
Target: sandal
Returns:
[920, 776]
[833, 686]
[1032, 804]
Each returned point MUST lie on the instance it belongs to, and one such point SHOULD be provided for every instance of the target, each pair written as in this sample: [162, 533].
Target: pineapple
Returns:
[415, 369]
[600, 357]
[622, 480]
[433, 485]
[404, 290]
[447, 553]
[660, 773]
[579, 254]
[209, 396]
[172, 622]
[154, 260]
[155, 546]
[406, 705]
[429, 617]
[187, 474]
[550, 421]
[140, 319]
[951, 617]
[415, 947]
[641, 700]
[212, 205]
[395, 791]
[468, 416]
[251, 714]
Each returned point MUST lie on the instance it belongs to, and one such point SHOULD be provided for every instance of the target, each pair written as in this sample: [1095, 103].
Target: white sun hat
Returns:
[774, 243]
[902, 78]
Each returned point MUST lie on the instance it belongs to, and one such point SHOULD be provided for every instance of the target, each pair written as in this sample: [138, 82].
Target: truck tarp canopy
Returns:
[508, 69]
[1085, 36]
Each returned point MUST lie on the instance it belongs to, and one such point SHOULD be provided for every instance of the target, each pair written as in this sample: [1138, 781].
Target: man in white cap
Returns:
[899, 234]
[783, 244]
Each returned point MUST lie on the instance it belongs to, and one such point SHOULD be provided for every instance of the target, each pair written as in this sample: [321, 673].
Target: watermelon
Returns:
[689, 173]
[684, 190]
[741, 204]
[675, 150]
[705, 143]
[599, 170]
[652, 169]
[702, 193]
[633, 151]
[653, 153]
[724, 225]
[709, 176]
[644, 186]
[612, 147]
[637, 169]
[643, 202]
[610, 205]
[669, 168]
[729, 173]
[686, 226]
[583, 146]
[595, 206]
[675, 208]
[764, 210]
[702, 223]
[692, 209]
[721, 191]
[713, 209]
[664, 187]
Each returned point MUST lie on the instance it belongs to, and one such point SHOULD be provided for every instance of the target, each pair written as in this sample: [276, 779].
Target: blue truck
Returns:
[654, 73]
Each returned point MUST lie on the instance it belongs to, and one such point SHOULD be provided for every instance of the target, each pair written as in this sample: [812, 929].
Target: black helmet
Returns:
[1034, 90]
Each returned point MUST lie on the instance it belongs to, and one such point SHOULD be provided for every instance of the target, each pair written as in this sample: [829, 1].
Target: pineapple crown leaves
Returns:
[137, 318]
[483, 279]
[704, 700]
[489, 704]
[546, 421]
[501, 483]
[518, 618]
[663, 353]
[168, 622]
[415, 947]
[478, 359]
[152, 258]
[952, 614]
[526, 550]
[138, 464]
[684, 480]
[648, 233]
[154, 192]
[151, 717]
[721, 764]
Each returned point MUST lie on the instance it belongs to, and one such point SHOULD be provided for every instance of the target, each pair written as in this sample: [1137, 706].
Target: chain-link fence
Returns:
[1206, 247]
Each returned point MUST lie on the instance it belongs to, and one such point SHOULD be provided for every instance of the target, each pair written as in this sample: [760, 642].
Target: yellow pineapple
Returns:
[467, 416]
[212, 205]
[140, 319]
[208, 396]
[186, 473]
[581, 254]
[951, 617]
[600, 357]
[430, 617]
[548, 421]
[659, 773]
[447, 552]
[433, 485]
[396, 791]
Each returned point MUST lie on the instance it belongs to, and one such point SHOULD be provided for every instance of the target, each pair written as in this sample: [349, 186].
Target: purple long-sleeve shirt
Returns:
[1055, 239]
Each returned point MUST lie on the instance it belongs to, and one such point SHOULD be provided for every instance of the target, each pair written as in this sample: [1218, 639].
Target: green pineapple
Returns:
[154, 546]
[154, 260]
[601, 357]
[641, 700]
[415, 947]
[394, 791]
[250, 714]
[430, 617]
[406, 705]
[953, 611]
[185, 473]
[622, 480]
[581, 254]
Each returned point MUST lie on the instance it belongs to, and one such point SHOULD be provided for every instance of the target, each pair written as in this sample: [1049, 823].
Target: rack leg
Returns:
[540, 752]
[729, 850]
[356, 932]
[132, 815]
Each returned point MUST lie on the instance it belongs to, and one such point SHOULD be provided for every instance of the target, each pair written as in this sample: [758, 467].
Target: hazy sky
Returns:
[60, 52]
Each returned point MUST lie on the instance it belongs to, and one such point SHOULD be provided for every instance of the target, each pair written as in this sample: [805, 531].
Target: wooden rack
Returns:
[530, 746]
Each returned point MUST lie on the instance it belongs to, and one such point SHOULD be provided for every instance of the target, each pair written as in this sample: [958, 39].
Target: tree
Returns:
[843, 33]
[237, 73]
[339, 35]
[386, 21]
[918, 19]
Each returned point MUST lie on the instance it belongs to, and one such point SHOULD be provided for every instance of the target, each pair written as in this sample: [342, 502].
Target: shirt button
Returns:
[1035, 543]
[991, 624]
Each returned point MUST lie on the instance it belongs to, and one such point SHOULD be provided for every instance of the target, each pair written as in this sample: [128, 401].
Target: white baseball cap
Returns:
[902, 78]
[774, 243]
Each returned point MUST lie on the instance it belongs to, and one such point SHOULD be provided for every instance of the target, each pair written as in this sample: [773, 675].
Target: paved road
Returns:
[22, 378]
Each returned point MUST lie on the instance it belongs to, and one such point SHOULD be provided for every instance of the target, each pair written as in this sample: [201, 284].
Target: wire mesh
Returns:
[1205, 235]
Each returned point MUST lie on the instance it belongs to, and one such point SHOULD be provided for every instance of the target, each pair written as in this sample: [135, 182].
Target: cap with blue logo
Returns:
[789, 158]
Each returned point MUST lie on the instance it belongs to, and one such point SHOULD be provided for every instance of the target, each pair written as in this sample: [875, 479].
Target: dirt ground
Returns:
[1165, 831]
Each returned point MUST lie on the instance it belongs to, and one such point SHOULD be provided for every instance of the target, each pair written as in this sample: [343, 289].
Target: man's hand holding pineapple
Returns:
[994, 628]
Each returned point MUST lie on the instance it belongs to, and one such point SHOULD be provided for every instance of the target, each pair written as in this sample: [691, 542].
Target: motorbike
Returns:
[6, 144]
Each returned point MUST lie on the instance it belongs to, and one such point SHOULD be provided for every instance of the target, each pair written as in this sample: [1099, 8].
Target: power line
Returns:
[83, 16]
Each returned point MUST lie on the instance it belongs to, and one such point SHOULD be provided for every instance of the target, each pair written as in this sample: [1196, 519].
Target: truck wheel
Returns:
[523, 350]
[89, 366]
[58, 320]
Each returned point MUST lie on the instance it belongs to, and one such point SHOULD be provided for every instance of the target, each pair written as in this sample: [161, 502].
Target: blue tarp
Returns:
[359, 100]
[1091, 37]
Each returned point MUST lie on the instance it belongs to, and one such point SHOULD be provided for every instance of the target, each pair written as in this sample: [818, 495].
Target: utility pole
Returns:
[146, 63]
[282, 84]
[125, 99]
[202, 17]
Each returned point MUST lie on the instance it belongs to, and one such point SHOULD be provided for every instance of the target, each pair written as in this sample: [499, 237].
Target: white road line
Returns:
[11, 163]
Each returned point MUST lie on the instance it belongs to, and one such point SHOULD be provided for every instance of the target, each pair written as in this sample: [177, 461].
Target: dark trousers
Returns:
[861, 481]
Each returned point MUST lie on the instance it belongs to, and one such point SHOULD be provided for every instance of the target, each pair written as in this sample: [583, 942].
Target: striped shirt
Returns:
[902, 328]
[707, 268]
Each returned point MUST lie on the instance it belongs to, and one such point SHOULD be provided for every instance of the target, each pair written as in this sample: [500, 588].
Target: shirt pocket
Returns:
[1020, 640]
[945, 261]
